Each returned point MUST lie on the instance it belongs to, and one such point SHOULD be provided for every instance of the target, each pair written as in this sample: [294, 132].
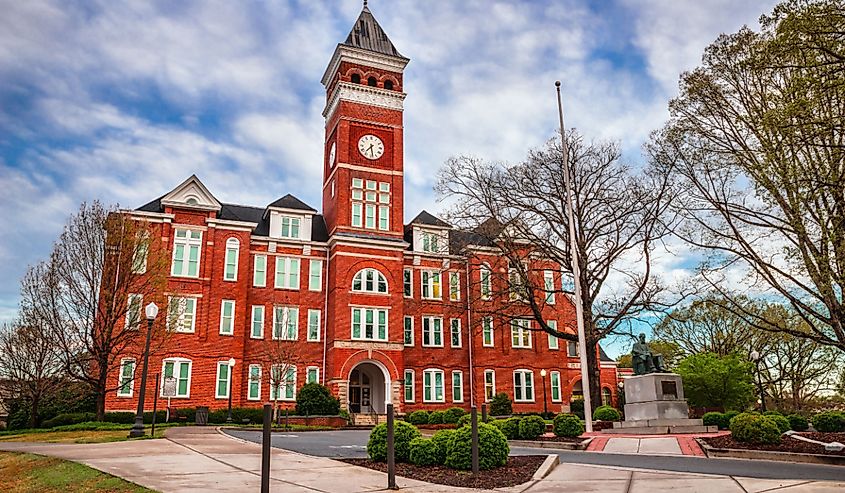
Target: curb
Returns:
[714, 452]
[549, 445]
[548, 465]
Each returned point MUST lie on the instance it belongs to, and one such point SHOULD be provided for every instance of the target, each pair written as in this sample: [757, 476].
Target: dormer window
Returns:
[369, 281]
[430, 242]
[290, 227]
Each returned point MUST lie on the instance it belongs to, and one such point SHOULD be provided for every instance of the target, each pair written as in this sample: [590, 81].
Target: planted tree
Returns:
[713, 381]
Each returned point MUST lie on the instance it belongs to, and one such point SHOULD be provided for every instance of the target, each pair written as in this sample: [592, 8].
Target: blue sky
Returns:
[120, 101]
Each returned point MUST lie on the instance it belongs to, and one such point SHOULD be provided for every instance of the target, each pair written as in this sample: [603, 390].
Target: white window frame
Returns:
[315, 275]
[285, 322]
[250, 381]
[569, 346]
[492, 385]
[217, 394]
[405, 331]
[408, 283]
[131, 383]
[384, 218]
[134, 314]
[486, 282]
[523, 385]
[312, 313]
[430, 242]
[316, 370]
[177, 364]
[259, 276]
[549, 286]
[179, 322]
[367, 275]
[290, 226]
[454, 286]
[554, 341]
[520, 332]
[284, 278]
[412, 388]
[187, 243]
[141, 253]
[282, 386]
[555, 388]
[362, 322]
[430, 329]
[231, 330]
[431, 282]
[459, 388]
[453, 324]
[433, 372]
[487, 323]
[233, 247]
[357, 214]
[252, 321]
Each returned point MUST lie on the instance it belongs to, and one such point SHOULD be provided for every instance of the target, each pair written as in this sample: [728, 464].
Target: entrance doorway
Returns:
[367, 389]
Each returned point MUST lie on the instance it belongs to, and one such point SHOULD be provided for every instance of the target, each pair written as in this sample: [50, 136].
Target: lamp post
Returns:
[545, 406]
[756, 358]
[231, 367]
[151, 311]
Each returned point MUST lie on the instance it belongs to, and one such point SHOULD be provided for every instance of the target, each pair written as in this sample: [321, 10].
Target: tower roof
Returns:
[367, 34]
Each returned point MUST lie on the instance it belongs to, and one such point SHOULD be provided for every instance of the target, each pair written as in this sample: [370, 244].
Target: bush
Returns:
[567, 425]
[68, 419]
[781, 422]
[403, 434]
[716, 419]
[773, 413]
[465, 420]
[441, 441]
[436, 417]
[423, 452]
[453, 414]
[418, 418]
[829, 421]
[576, 407]
[313, 399]
[531, 427]
[92, 426]
[729, 416]
[501, 405]
[754, 428]
[607, 413]
[492, 448]
[509, 427]
[798, 422]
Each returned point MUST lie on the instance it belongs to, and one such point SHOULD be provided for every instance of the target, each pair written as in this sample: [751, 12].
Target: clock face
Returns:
[332, 154]
[370, 146]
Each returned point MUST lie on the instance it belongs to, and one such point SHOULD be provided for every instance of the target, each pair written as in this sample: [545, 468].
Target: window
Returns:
[315, 275]
[408, 278]
[486, 287]
[489, 385]
[454, 286]
[290, 227]
[287, 272]
[553, 340]
[457, 386]
[227, 317]
[356, 214]
[283, 383]
[180, 369]
[520, 333]
[430, 242]
[370, 204]
[487, 332]
[142, 250]
[312, 374]
[182, 314]
[127, 378]
[409, 331]
[388, 84]
[230, 270]
[455, 332]
[186, 253]
[549, 286]
[572, 349]
[285, 323]
[254, 393]
[369, 281]
[356, 78]
[606, 396]
[257, 322]
[383, 217]
[259, 271]
[313, 325]
[134, 307]
[567, 282]
[333, 183]
[517, 285]
[431, 285]
[433, 386]
[523, 386]
[432, 331]
[370, 218]
[410, 390]
[369, 324]
[224, 374]
[371, 81]
[555, 384]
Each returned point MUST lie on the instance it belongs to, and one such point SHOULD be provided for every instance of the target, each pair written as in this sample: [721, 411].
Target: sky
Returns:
[121, 101]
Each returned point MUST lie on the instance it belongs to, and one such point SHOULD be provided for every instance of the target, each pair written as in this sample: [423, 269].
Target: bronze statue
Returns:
[644, 361]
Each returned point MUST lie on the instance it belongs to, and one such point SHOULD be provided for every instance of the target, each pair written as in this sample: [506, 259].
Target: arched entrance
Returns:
[369, 388]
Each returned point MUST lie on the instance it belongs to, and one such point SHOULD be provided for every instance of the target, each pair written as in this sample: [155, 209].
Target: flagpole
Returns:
[576, 269]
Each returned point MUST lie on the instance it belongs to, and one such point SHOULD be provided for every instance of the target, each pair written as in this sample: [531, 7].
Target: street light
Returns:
[231, 366]
[543, 378]
[755, 357]
[151, 311]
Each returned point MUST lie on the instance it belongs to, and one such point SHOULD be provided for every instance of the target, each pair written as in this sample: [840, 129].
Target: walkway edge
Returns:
[548, 465]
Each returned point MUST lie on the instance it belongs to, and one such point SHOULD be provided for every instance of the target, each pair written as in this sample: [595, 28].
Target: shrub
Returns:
[92, 426]
[418, 417]
[607, 413]
[465, 420]
[68, 419]
[773, 413]
[492, 448]
[798, 422]
[423, 452]
[780, 421]
[713, 419]
[567, 425]
[509, 427]
[453, 414]
[313, 399]
[531, 427]
[577, 407]
[123, 417]
[403, 433]
[441, 441]
[501, 405]
[729, 416]
[754, 428]
[829, 421]
[436, 417]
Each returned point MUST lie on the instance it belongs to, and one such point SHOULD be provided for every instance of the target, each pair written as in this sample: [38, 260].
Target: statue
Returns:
[643, 360]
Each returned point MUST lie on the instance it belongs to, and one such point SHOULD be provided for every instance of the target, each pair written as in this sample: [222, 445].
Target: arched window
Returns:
[230, 273]
[388, 84]
[372, 82]
[369, 281]
[356, 78]
[606, 397]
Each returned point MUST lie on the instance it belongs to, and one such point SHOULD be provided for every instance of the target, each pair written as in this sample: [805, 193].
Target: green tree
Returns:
[714, 381]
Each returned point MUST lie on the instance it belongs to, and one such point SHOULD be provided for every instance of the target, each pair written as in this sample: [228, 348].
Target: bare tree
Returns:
[278, 356]
[519, 210]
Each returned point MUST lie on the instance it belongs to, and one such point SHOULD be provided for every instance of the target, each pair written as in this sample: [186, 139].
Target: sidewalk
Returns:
[201, 459]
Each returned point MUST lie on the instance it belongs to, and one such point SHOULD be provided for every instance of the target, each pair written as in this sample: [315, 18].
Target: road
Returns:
[353, 444]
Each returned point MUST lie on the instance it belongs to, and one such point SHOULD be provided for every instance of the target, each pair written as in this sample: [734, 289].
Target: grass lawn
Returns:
[77, 436]
[27, 473]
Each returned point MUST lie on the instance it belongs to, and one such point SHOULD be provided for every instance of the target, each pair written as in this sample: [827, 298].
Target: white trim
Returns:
[369, 58]
[263, 279]
[252, 321]
[131, 379]
[378, 277]
[186, 243]
[223, 304]
[286, 318]
[308, 370]
[285, 278]
[524, 371]
[553, 325]
[452, 385]
[521, 329]
[559, 386]
[433, 386]
[249, 382]
[182, 313]
[362, 321]
[460, 333]
[231, 225]
[319, 263]
[176, 365]
[405, 386]
[492, 333]
[308, 322]
[431, 329]
[493, 382]
[217, 395]
[455, 275]
[411, 318]
[432, 274]
[232, 244]
[411, 271]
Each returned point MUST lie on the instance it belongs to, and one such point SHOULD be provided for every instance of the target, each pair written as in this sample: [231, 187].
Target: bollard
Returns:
[155, 409]
[391, 452]
[265, 449]
[474, 440]
[484, 413]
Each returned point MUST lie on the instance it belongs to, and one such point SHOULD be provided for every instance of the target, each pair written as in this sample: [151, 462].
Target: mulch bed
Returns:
[786, 444]
[518, 470]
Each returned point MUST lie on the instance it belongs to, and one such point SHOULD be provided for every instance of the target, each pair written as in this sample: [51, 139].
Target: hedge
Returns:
[829, 421]
[418, 418]
[423, 452]
[314, 399]
[436, 417]
[441, 440]
[755, 428]
[607, 413]
[531, 427]
[453, 414]
[501, 405]
[567, 425]
[798, 422]
[403, 433]
[492, 448]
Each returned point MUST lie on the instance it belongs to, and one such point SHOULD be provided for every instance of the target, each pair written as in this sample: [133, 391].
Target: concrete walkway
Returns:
[201, 459]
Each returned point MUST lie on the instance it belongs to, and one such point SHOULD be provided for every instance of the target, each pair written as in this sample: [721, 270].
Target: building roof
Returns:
[427, 219]
[603, 356]
[291, 202]
[367, 34]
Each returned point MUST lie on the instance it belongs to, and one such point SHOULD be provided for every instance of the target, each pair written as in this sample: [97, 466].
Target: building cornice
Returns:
[229, 224]
[158, 217]
[358, 93]
[357, 55]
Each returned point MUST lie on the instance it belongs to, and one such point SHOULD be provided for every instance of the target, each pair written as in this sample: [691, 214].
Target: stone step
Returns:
[661, 430]
[645, 423]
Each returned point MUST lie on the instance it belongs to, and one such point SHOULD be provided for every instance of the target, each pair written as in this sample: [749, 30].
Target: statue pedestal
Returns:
[655, 405]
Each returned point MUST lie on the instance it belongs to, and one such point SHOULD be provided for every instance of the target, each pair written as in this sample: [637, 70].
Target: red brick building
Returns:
[377, 310]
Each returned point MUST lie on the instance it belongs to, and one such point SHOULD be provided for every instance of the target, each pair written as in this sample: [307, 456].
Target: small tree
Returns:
[278, 357]
[713, 381]
[501, 405]
[314, 399]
